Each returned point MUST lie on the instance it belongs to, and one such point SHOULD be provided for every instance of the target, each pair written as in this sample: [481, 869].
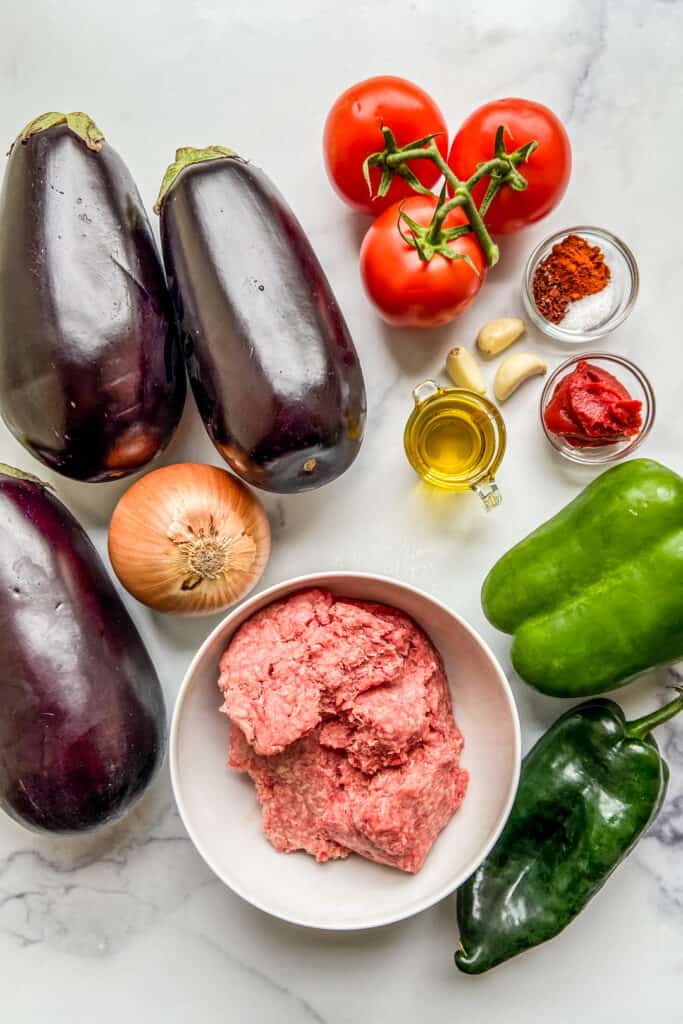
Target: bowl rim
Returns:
[265, 597]
[605, 459]
[555, 331]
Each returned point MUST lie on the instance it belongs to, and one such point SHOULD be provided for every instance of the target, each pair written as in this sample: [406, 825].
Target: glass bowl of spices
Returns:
[580, 284]
[597, 408]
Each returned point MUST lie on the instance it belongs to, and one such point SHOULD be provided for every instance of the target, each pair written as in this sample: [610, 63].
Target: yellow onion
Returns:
[189, 539]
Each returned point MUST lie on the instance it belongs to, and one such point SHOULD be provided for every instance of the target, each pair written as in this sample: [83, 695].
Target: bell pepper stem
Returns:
[640, 727]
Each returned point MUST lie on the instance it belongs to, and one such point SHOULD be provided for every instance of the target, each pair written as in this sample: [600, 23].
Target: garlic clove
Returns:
[514, 370]
[464, 370]
[497, 335]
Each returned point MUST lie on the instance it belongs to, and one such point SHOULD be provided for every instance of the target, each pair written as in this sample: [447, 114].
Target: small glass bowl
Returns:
[635, 382]
[624, 281]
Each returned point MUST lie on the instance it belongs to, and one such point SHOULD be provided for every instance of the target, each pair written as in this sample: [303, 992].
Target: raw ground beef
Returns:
[341, 715]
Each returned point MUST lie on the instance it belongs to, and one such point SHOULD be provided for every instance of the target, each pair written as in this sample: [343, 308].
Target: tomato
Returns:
[408, 292]
[547, 170]
[353, 132]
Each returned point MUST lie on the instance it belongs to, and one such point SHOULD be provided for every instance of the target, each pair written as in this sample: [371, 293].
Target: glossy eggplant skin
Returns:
[272, 365]
[91, 374]
[82, 718]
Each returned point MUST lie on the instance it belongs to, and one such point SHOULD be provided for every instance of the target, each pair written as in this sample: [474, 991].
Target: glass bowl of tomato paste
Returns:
[597, 408]
[595, 315]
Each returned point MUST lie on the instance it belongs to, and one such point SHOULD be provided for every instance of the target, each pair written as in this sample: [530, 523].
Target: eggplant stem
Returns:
[82, 125]
[20, 474]
[187, 156]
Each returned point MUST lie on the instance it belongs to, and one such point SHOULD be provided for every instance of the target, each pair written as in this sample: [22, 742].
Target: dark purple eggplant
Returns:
[82, 719]
[91, 374]
[271, 362]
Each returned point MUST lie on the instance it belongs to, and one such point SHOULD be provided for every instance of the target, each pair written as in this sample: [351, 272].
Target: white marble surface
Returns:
[131, 925]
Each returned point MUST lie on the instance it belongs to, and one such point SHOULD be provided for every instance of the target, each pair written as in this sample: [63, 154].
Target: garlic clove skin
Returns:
[189, 539]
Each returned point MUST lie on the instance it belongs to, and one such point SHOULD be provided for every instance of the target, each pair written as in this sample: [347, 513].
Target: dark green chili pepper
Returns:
[589, 789]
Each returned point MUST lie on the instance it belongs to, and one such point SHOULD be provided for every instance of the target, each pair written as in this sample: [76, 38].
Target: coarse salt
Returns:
[591, 311]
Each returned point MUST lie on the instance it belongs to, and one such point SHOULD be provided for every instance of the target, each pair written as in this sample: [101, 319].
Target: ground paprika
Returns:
[572, 270]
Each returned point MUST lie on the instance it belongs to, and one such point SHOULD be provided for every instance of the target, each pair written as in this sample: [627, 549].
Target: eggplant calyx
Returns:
[20, 474]
[77, 122]
[186, 156]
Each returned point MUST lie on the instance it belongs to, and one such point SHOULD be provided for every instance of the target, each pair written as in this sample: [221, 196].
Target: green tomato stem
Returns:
[501, 169]
[439, 217]
[486, 169]
[462, 197]
[491, 250]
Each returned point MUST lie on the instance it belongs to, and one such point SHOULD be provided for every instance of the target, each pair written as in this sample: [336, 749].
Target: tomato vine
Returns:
[502, 169]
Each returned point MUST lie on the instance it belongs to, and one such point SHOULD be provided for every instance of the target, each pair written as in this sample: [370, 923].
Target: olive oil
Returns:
[454, 438]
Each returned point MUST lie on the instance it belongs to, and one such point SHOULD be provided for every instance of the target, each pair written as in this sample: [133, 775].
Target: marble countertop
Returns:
[130, 924]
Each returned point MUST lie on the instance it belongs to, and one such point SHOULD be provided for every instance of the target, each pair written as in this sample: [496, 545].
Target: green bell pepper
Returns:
[588, 790]
[595, 595]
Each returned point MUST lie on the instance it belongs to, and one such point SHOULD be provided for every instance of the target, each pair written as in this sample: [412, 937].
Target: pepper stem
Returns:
[639, 728]
[186, 156]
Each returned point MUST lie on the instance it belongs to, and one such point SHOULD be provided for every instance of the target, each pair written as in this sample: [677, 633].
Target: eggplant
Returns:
[270, 359]
[82, 718]
[92, 381]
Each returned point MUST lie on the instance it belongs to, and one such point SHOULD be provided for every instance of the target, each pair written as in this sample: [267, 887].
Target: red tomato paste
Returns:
[590, 408]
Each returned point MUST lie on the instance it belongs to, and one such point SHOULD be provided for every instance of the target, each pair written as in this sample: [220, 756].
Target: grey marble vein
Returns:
[668, 828]
[305, 1011]
[594, 28]
[92, 901]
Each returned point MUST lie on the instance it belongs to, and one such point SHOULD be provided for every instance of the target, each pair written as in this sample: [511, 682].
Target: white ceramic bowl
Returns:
[219, 808]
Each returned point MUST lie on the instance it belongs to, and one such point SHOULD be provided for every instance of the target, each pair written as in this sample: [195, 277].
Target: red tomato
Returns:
[408, 292]
[352, 133]
[547, 170]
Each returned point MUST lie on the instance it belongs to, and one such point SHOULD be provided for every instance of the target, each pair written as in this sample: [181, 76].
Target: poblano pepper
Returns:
[588, 790]
[595, 595]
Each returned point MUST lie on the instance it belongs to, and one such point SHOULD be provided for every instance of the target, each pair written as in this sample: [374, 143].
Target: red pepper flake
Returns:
[572, 270]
